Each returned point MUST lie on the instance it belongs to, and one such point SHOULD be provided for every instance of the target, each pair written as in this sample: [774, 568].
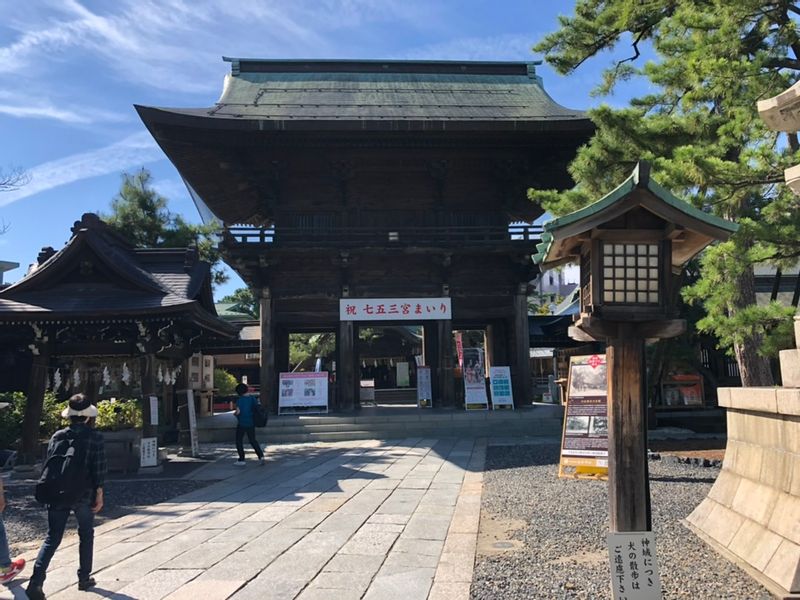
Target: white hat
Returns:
[79, 406]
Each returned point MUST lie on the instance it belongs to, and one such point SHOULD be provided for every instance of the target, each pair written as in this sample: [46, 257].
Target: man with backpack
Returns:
[72, 481]
[248, 411]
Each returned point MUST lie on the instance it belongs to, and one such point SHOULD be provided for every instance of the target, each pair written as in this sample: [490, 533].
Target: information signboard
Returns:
[424, 395]
[303, 392]
[403, 375]
[634, 568]
[584, 443]
[148, 452]
[153, 410]
[502, 396]
[474, 380]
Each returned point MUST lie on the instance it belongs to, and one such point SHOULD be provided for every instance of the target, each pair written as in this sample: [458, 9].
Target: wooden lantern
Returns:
[629, 244]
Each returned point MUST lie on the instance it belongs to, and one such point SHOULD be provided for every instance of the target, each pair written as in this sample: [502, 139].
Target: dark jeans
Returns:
[251, 435]
[56, 523]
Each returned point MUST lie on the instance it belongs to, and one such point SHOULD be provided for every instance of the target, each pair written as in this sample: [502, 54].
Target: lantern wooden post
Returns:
[628, 484]
[628, 244]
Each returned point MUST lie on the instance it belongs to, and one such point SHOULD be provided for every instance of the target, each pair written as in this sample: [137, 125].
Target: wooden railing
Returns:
[383, 236]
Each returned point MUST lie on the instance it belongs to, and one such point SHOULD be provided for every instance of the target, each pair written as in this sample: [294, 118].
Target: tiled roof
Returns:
[384, 90]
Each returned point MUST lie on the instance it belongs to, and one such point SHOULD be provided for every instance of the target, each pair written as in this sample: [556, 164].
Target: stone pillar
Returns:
[33, 408]
[269, 396]
[345, 366]
[628, 484]
[444, 372]
[521, 364]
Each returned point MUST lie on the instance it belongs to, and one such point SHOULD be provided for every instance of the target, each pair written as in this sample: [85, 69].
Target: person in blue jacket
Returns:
[245, 407]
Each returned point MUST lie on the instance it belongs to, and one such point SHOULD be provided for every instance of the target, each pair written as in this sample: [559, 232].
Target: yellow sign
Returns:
[584, 439]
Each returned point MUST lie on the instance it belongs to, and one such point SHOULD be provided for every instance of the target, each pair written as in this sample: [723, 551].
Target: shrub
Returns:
[13, 416]
[123, 413]
[224, 382]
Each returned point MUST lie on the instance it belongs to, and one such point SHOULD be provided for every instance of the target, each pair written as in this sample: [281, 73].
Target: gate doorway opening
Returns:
[388, 357]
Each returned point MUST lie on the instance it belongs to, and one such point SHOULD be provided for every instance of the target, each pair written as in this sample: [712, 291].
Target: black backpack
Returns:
[65, 475]
[260, 415]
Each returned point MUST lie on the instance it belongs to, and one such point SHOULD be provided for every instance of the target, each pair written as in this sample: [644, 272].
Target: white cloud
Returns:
[133, 151]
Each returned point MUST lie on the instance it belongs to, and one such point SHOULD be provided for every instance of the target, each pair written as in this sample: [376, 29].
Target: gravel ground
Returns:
[544, 538]
[26, 520]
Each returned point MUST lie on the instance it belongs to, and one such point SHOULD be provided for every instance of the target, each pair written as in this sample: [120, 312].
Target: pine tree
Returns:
[698, 125]
[140, 214]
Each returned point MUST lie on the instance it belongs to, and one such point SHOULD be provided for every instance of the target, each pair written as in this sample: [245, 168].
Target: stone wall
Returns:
[752, 513]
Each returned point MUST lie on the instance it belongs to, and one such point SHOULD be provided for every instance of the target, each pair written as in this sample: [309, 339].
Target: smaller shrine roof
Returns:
[639, 189]
[98, 276]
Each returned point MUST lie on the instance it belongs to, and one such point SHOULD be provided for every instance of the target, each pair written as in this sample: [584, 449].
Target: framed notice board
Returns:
[584, 440]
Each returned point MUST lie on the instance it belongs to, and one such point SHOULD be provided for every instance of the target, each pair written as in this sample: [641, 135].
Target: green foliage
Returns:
[140, 214]
[113, 415]
[306, 347]
[698, 125]
[245, 302]
[13, 416]
[224, 382]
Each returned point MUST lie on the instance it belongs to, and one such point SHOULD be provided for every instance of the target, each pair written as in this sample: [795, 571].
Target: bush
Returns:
[13, 416]
[224, 382]
[119, 414]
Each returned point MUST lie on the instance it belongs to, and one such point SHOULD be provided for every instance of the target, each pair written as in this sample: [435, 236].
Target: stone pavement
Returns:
[376, 520]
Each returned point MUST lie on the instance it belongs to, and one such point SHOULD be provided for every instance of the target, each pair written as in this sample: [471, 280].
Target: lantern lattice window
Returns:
[631, 273]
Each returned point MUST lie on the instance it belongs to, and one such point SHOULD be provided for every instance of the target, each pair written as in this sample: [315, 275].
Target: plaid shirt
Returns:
[97, 452]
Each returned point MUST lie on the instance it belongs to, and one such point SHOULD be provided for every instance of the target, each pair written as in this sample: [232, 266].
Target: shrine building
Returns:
[361, 196]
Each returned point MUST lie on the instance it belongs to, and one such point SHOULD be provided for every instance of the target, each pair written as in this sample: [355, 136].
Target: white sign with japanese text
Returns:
[148, 452]
[306, 391]
[195, 440]
[634, 568]
[394, 309]
[153, 410]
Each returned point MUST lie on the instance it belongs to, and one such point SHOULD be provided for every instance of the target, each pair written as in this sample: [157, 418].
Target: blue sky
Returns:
[70, 72]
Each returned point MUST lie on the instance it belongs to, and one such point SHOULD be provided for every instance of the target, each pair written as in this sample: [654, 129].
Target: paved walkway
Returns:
[373, 520]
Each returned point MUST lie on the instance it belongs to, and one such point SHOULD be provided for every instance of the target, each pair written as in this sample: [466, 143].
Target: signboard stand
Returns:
[502, 396]
[304, 393]
[424, 395]
[584, 441]
[474, 380]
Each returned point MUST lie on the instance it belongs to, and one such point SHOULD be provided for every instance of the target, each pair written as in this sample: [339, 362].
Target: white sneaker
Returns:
[239, 463]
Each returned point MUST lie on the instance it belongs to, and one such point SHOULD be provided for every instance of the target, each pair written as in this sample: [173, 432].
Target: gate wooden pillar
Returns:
[147, 369]
[346, 366]
[444, 371]
[269, 395]
[521, 350]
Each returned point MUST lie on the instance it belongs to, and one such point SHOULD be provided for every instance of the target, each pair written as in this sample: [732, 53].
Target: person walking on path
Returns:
[245, 413]
[8, 568]
[87, 474]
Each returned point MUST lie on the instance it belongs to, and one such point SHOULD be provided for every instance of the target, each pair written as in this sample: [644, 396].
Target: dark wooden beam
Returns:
[268, 387]
[346, 366]
[37, 382]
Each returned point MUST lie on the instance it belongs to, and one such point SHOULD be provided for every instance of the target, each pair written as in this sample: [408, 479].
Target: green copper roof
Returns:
[640, 178]
[386, 90]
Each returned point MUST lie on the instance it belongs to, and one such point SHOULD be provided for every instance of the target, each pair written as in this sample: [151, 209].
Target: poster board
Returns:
[366, 391]
[192, 423]
[474, 380]
[682, 390]
[584, 441]
[634, 567]
[502, 395]
[424, 395]
[303, 393]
